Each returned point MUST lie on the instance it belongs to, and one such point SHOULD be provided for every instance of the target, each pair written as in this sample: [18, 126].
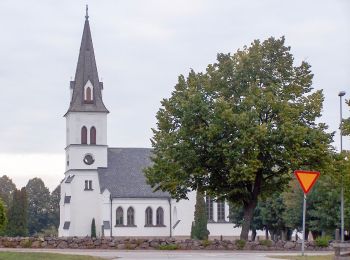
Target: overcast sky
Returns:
[141, 47]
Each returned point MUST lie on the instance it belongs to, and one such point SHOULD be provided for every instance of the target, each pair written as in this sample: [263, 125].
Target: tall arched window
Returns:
[221, 211]
[84, 135]
[130, 217]
[149, 219]
[93, 135]
[209, 205]
[119, 217]
[160, 217]
[88, 96]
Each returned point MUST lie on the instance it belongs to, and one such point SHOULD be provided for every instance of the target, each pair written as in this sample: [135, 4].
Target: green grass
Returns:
[43, 256]
[168, 247]
[307, 257]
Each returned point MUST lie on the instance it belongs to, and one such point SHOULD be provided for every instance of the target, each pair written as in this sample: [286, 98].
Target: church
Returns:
[107, 184]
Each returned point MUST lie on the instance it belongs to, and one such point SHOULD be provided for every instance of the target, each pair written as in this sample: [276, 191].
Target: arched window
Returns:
[93, 135]
[160, 217]
[119, 217]
[221, 211]
[149, 220]
[84, 135]
[88, 96]
[209, 206]
[131, 217]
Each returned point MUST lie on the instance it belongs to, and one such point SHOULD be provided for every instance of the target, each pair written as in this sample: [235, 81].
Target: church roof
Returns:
[86, 71]
[124, 176]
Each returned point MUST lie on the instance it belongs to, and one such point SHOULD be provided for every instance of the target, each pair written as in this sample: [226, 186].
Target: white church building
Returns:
[108, 184]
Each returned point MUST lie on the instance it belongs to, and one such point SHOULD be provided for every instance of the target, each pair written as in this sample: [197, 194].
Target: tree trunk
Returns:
[250, 206]
[253, 234]
[247, 218]
[266, 234]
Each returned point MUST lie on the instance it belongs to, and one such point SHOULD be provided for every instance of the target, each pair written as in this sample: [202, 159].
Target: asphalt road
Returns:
[165, 255]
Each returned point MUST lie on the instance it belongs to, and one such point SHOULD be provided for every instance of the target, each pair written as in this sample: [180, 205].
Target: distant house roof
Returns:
[124, 176]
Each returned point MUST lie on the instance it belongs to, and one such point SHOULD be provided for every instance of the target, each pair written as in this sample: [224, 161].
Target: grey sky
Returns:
[141, 47]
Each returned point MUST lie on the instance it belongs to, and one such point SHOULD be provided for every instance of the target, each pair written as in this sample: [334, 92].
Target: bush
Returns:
[240, 243]
[168, 247]
[206, 243]
[323, 241]
[93, 228]
[266, 242]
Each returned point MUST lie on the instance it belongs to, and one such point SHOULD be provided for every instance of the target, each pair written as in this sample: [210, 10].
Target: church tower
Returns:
[86, 144]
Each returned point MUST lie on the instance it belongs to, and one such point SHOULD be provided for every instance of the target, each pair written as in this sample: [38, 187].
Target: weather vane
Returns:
[87, 12]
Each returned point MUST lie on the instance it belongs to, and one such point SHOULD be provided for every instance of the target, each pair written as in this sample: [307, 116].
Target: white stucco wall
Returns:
[139, 205]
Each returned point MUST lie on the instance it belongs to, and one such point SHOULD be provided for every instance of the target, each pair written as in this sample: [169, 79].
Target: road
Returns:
[164, 255]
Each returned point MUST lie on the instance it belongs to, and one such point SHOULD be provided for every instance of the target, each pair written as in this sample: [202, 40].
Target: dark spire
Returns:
[87, 13]
[86, 71]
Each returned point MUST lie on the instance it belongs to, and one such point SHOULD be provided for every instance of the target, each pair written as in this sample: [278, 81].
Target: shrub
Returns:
[323, 241]
[266, 242]
[206, 243]
[240, 243]
[93, 228]
[168, 247]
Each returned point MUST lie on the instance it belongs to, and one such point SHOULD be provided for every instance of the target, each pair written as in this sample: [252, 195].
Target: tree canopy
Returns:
[238, 130]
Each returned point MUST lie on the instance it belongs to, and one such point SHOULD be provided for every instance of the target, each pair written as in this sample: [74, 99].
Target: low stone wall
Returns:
[143, 244]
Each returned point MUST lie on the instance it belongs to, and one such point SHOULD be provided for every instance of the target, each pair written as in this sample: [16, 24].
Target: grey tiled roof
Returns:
[69, 179]
[86, 70]
[124, 177]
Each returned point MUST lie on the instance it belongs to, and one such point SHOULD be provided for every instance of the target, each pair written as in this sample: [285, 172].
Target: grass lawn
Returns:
[307, 257]
[43, 256]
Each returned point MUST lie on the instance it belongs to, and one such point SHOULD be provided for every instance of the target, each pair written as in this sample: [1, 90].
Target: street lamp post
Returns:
[341, 94]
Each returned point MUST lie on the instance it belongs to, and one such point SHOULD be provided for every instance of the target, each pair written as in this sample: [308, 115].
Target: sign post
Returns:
[306, 179]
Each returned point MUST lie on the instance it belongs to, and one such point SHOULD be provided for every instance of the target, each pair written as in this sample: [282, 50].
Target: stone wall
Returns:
[143, 244]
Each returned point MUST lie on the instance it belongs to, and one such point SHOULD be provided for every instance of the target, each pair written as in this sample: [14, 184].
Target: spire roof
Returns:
[86, 71]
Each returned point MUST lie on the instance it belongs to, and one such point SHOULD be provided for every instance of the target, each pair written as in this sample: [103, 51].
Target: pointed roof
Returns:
[86, 71]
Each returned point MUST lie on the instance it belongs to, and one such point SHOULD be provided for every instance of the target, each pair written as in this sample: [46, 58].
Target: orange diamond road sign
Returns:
[306, 179]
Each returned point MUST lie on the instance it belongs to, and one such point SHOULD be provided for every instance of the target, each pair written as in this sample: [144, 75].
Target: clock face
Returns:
[89, 159]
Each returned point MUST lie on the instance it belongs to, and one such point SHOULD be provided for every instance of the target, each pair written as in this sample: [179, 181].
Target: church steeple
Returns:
[87, 89]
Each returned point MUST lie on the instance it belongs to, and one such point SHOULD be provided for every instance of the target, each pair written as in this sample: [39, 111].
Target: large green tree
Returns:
[17, 214]
[240, 129]
[38, 205]
[7, 187]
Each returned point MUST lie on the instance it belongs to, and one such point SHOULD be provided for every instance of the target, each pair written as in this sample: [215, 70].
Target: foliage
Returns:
[168, 247]
[265, 242]
[240, 129]
[3, 218]
[7, 187]
[240, 243]
[93, 228]
[206, 242]
[38, 205]
[17, 214]
[54, 207]
[199, 228]
[49, 232]
[43, 256]
[323, 241]
[346, 123]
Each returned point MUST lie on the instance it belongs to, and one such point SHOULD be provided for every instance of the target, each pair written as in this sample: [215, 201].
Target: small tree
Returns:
[199, 227]
[93, 228]
[17, 214]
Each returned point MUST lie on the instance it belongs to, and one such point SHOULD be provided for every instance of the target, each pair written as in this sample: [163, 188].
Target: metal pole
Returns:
[342, 185]
[303, 239]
